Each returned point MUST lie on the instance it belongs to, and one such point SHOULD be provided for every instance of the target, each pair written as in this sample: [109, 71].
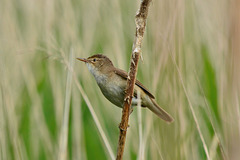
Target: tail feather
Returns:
[155, 108]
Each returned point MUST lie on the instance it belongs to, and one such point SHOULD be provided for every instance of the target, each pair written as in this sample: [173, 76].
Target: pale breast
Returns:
[113, 90]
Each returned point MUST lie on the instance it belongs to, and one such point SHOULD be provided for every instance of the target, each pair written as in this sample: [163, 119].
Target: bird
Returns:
[112, 82]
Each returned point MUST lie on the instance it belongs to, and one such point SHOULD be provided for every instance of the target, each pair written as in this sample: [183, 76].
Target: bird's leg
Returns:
[131, 110]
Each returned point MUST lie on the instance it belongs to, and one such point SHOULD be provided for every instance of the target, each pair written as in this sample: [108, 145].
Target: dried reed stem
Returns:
[140, 20]
[62, 154]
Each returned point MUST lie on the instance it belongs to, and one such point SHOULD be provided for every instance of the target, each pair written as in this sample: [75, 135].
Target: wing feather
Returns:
[124, 74]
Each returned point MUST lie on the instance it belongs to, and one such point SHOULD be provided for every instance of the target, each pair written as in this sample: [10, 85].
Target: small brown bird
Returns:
[113, 81]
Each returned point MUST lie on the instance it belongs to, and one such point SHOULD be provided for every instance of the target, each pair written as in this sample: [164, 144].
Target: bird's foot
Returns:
[119, 126]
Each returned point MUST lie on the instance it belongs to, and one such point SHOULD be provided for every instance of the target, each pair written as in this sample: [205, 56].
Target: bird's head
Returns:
[98, 64]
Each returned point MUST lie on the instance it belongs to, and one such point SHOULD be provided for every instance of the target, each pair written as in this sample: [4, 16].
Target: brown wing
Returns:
[124, 74]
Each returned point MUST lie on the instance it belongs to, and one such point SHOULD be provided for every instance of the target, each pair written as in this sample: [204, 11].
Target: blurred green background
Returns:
[190, 62]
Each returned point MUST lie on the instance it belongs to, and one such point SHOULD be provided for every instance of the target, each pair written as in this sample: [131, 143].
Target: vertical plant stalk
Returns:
[140, 21]
[62, 154]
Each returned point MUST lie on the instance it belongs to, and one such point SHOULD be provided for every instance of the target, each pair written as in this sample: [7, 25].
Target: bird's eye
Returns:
[94, 60]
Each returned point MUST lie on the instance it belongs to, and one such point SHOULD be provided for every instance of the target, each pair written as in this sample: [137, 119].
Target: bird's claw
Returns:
[126, 99]
[119, 126]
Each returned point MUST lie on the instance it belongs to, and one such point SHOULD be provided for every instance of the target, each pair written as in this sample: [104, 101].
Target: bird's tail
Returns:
[155, 108]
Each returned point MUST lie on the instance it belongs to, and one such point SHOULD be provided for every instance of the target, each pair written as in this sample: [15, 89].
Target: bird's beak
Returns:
[82, 59]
